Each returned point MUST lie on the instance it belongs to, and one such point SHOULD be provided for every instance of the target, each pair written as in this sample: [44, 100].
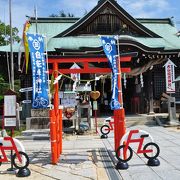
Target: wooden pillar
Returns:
[150, 92]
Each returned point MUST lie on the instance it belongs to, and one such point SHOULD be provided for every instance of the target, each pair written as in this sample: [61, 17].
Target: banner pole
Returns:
[47, 67]
[119, 114]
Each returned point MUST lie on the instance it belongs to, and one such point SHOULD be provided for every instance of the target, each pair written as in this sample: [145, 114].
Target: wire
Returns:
[84, 80]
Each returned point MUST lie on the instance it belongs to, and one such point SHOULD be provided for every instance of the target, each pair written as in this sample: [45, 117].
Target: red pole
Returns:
[53, 136]
[54, 118]
[119, 114]
[56, 89]
[95, 115]
[56, 106]
[60, 129]
[57, 134]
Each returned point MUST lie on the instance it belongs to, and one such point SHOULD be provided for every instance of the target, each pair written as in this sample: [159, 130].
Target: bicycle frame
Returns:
[137, 132]
[127, 139]
[9, 143]
[111, 123]
[136, 140]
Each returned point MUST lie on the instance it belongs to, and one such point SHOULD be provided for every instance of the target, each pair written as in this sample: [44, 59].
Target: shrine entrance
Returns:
[55, 67]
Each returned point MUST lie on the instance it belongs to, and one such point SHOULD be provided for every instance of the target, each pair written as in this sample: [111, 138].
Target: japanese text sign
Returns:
[38, 64]
[170, 76]
[109, 46]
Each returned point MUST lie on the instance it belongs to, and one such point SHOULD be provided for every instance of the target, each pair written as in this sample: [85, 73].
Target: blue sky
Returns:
[138, 9]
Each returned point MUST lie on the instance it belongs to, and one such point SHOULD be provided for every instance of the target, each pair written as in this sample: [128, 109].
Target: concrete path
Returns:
[89, 157]
[168, 140]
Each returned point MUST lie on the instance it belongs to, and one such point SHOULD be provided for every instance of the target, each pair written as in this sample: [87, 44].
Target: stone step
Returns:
[32, 132]
[34, 137]
[139, 120]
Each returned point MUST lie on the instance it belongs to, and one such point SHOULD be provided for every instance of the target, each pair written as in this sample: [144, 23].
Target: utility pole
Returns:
[11, 49]
[35, 13]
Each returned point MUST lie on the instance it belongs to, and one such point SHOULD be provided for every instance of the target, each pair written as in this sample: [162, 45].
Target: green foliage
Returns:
[5, 34]
[5, 40]
[4, 86]
[16, 132]
[62, 14]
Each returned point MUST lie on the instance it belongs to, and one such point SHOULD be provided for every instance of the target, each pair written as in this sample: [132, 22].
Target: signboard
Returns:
[39, 71]
[170, 76]
[10, 110]
[26, 89]
[26, 101]
[10, 122]
[109, 47]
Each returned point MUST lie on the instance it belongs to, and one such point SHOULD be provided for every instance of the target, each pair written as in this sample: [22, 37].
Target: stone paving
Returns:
[90, 157]
[169, 143]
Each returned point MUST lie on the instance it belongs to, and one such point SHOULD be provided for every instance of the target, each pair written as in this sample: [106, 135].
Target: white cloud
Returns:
[139, 8]
[77, 7]
[147, 8]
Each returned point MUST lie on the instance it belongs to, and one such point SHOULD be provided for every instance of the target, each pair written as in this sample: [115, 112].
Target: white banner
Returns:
[170, 76]
[75, 77]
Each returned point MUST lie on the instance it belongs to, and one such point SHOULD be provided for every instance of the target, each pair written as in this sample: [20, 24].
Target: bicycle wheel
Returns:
[17, 163]
[120, 152]
[105, 129]
[154, 147]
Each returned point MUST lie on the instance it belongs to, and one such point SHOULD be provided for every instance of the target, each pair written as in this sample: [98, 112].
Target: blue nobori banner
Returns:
[109, 46]
[38, 64]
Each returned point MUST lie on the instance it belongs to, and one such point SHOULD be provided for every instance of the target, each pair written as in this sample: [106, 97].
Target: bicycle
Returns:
[124, 152]
[40, 102]
[20, 159]
[105, 129]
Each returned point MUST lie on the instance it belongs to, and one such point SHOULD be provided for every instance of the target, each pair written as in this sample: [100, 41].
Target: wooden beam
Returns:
[84, 59]
[89, 70]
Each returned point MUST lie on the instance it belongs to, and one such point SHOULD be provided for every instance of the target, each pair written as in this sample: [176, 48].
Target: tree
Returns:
[62, 14]
[5, 34]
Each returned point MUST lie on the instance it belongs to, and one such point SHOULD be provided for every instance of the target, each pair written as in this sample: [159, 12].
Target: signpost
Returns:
[170, 76]
[27, 101]
[10, 110]
[170, 88]
[10, 115]
[26, 89]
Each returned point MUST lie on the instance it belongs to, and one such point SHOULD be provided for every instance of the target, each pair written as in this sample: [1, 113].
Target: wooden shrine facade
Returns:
[73, 39]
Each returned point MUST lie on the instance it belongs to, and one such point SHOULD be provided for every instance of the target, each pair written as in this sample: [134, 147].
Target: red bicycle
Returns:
[150, 150]
[20, 159]
[105, 129]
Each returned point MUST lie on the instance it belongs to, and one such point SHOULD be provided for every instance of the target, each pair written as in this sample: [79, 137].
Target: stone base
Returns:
[172, 123]
[37, 123]
[39, 119]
